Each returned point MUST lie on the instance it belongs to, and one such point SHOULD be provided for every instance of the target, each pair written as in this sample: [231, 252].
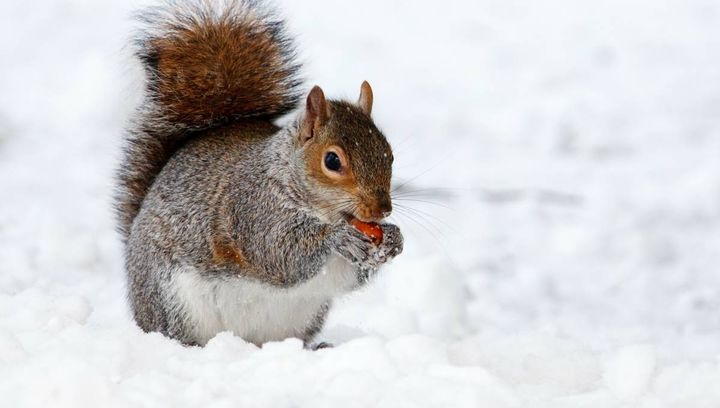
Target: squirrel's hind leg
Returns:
[314, 328]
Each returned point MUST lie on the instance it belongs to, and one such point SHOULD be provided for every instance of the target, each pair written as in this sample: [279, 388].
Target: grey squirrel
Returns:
[231, 223]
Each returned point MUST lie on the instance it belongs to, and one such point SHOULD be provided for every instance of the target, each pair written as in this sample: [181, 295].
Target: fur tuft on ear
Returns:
[366, 98]
[316, 114]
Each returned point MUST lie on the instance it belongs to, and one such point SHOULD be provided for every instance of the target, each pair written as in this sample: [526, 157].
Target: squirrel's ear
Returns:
[366, 98]
[315, 114]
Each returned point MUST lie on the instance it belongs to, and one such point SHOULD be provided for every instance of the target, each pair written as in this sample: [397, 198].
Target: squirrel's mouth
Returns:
[347, 216]
[355, 216]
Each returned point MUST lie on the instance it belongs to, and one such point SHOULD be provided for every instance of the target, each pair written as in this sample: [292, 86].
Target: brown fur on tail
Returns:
[207, 63]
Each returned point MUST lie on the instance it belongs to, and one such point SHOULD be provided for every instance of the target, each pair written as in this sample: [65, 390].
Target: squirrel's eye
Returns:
[332, 161]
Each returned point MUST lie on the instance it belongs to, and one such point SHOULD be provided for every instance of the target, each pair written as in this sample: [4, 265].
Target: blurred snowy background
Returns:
[563, 246]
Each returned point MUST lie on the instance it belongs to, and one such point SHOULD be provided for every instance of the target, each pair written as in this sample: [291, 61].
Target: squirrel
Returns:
[230, 222]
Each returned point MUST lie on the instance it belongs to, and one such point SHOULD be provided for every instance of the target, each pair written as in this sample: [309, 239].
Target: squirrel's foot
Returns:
[318, 346]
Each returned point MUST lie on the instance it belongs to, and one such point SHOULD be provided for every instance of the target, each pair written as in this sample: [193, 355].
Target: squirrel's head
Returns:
[348, 160]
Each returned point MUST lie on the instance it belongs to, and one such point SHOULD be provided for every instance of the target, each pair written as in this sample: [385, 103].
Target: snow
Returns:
[628, 371]
[568, 258]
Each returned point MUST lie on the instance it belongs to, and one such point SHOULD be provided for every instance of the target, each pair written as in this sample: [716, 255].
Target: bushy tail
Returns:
[207, 63]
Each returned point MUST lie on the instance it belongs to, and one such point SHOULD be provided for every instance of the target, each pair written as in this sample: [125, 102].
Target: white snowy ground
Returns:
[570, 259]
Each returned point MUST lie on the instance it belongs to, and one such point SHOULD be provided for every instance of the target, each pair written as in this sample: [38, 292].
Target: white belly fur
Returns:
[255, 311]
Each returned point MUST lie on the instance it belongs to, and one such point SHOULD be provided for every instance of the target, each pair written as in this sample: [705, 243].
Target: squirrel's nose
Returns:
[384, 206]
[376, 207]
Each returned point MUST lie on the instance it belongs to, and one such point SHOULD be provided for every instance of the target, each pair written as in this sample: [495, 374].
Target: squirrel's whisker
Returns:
[423, 213]
[421, 225]
[417, 200]
[428, 224]
[427, 192]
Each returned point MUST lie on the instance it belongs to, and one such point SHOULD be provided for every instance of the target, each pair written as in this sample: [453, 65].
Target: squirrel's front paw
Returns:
[392, 244]
[359, 250]
[355, 247]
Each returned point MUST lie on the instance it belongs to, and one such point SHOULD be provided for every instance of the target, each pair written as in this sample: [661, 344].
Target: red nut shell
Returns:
[370, 229]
